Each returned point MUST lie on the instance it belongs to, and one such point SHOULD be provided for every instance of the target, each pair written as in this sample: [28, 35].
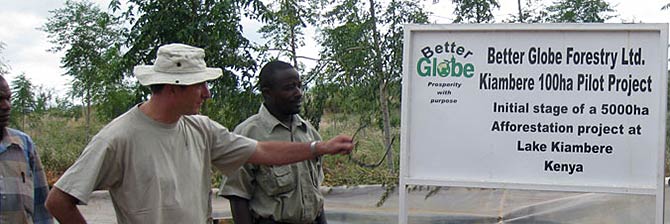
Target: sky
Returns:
[26, 47]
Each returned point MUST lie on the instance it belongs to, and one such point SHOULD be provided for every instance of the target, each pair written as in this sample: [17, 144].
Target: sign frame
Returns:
[411, 30]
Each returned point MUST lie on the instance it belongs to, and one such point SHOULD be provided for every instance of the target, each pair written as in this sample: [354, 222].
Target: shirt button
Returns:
[4, 197]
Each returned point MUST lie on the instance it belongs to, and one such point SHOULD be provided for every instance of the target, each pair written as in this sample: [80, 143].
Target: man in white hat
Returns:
[155, 159]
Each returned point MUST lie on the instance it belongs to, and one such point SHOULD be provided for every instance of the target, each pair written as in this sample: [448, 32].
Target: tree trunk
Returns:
[387, 124]
[88, 115]
[520, 13]
[294, 54]
[382, 86]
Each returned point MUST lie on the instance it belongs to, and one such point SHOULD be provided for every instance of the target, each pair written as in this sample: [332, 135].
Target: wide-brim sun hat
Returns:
[177, 64]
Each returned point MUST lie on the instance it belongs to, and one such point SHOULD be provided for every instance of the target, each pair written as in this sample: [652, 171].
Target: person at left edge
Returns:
[156, 159]
[23, 185]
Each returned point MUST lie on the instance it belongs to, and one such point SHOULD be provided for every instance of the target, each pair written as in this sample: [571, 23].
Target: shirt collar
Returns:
[273, 122]
[9, 139]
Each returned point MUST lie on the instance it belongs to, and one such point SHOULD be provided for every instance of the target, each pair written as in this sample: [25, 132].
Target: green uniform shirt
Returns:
[288, 193]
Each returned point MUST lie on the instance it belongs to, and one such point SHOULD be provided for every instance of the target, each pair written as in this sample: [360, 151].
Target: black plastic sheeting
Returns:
[476, 205]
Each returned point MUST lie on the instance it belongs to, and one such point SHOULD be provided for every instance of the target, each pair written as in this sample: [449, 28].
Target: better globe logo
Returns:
[428, 65]
[425, 67]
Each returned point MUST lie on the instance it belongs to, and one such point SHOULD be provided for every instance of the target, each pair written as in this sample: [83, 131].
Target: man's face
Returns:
[190, 98]
[5, 103]
[285, 92]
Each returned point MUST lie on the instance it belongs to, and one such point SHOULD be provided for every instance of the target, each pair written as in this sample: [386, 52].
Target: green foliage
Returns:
[284, 27]
[84, 32]
[531, 12]
[349, 49]
[230, 116]
[113, 94]
[315, 102]
[90, 38]
[43, 98]
[23, 102]
[65, 108]
[212, 25]
[362, 53]
[579, 11]
[475, 11]
[339, 170]
[58, 133]
[59, 140]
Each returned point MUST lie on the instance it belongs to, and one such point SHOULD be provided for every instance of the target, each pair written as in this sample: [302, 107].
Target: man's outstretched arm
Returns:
[281, 153]
[64, 207]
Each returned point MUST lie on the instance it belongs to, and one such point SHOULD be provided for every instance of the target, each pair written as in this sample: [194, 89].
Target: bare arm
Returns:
[280, 153]
[240, 209]
[64, 207]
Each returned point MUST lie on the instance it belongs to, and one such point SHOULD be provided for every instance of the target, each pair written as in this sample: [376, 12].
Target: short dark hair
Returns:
[265, 78]
[156, 88]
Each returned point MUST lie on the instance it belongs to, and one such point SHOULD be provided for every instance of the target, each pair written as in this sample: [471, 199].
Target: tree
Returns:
[528, 12]
[579, 11]
[474, 11]
[362, 52]
[520, 11]
[285, 24]
[212, 25]
[23, 102]
[114, 94]
[88, 36]
[4, 68]
[43, 99]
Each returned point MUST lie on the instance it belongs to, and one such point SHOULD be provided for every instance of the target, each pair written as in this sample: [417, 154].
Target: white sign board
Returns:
[548, 107]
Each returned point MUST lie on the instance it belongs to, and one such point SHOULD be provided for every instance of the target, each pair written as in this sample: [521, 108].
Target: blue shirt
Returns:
[23, 185]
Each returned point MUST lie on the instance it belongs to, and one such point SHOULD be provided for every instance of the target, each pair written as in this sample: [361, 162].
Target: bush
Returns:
[60, 141]
[341, 170]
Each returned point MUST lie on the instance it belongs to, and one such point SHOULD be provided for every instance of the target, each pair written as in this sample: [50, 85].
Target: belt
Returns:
[261, 220]
[321, 219]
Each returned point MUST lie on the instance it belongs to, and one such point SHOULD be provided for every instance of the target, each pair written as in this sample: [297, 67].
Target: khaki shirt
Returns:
[155, 172]
[288, 193]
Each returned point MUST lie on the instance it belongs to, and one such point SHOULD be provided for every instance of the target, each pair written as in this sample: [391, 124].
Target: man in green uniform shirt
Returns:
[277, 194]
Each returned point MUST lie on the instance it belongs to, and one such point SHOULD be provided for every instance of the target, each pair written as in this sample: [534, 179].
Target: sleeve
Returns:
[316, 134]
[319, 159]
[41, 188]
[240, 183]
[97, 168]
[229, 151]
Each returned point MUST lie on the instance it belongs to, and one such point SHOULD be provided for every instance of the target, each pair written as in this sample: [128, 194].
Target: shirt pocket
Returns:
[27, 193]
[276, 180]
[18, 180]
[316, 173]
